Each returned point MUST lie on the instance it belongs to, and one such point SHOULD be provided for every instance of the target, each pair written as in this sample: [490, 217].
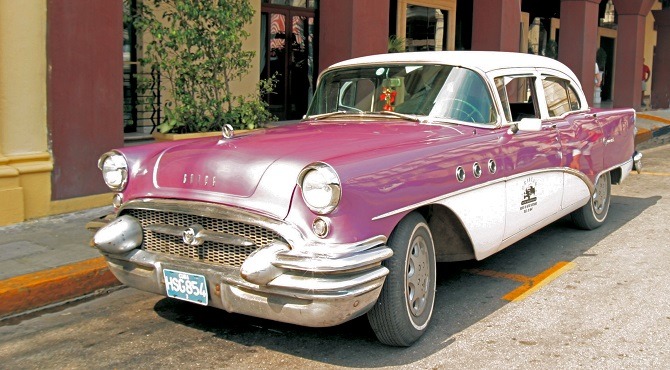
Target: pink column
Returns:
[629, 51]
[660, 75]
[496, 25]
[352, 29]
[579, 39]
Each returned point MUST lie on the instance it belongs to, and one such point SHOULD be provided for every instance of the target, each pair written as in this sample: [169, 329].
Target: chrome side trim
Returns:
[466, 190]
[567, 170]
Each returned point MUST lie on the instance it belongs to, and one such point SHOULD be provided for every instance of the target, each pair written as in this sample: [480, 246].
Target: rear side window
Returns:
[517, 95]
[560, 95]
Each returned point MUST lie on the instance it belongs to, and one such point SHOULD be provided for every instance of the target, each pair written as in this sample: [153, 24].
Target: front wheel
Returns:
[405, 305]
[593, 214]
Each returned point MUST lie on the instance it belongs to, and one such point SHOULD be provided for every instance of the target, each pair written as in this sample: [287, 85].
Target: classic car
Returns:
[402, 160]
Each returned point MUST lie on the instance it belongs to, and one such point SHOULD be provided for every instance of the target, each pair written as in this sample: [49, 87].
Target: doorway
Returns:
[607, 43]
[288, 52]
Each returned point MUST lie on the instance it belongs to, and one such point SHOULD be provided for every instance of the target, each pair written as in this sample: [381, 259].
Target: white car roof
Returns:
[485, 61]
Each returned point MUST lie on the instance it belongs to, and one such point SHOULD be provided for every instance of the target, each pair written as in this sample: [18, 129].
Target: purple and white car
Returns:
[403, 160]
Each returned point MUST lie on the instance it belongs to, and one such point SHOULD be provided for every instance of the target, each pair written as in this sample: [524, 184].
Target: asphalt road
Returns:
[601, 299]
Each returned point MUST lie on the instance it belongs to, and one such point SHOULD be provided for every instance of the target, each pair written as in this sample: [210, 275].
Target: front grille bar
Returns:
[204, 235]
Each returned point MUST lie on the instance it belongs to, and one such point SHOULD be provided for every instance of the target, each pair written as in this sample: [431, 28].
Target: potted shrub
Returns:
[198, 48]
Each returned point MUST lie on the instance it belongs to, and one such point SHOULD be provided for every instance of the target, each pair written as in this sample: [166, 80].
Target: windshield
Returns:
[437, 91]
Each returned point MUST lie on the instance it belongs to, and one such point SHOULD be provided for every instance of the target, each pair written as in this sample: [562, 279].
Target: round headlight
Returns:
[321, 188]
[114, 170]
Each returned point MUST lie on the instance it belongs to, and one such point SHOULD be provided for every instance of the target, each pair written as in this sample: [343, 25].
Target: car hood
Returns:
[258, 170]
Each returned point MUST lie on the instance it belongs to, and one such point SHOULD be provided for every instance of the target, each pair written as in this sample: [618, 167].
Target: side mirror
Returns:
[526, 124]
[530, 124]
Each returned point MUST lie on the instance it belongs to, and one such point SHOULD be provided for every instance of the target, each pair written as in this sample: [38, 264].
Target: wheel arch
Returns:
[616, 175]
[451, 240]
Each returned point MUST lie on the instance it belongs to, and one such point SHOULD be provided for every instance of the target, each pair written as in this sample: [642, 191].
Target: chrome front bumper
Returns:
[309, 284]
[637, 162]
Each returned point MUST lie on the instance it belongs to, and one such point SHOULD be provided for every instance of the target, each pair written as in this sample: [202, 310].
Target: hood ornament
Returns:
[228, 131]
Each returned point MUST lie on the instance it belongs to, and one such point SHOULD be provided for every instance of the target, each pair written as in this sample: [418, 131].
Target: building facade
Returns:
[65, 77]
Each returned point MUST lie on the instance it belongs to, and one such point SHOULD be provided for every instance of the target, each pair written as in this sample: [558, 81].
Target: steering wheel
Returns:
[467, 110]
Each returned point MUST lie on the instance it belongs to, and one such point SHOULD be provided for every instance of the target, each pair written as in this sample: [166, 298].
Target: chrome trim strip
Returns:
[332, 263]
[205, 235]
[329, 284]
[286, 230]
[296, 240]
[570, 171]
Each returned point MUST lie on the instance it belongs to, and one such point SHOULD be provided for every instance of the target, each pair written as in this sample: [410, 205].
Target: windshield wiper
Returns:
[409, 117]
[330, 114]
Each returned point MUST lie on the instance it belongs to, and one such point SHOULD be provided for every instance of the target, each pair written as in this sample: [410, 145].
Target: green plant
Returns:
[197, 45]
[551, 50]
[396, 44]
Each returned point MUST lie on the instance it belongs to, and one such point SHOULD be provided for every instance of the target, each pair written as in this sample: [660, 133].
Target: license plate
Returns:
[185, 286]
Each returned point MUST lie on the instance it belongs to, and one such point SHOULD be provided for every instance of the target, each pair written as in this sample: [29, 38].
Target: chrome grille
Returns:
[210, 252]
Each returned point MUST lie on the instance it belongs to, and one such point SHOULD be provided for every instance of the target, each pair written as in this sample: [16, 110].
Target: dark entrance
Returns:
[288, 52]
[607, 44]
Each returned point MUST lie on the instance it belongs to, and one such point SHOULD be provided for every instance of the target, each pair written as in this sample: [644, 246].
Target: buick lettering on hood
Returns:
[401, 161]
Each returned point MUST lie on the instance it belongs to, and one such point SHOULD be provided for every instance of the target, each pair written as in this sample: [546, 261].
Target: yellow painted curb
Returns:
[25, 292]
[642, 135]
[654, 118]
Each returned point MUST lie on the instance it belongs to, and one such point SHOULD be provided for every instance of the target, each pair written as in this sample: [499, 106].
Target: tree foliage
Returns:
[197, 45]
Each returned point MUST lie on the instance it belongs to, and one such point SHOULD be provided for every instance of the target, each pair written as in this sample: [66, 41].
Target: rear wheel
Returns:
[593, 214]
[405, 305]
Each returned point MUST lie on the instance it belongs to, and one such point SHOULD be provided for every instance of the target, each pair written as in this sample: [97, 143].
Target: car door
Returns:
[580, 136]
[531, 159]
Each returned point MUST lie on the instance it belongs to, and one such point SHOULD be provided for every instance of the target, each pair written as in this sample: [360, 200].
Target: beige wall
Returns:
[23, 77]
[25, 161]
[248, 84]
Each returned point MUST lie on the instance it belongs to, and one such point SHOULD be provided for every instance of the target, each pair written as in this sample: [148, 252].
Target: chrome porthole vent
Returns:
[460, 174]
[492, 166]
[476, 170]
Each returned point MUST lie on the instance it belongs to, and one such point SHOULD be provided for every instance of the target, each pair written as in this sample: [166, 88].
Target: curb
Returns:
[645, 135]
[42, 288]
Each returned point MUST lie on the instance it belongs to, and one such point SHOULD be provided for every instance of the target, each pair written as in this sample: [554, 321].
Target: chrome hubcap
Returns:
[600, 195]
[418, 274]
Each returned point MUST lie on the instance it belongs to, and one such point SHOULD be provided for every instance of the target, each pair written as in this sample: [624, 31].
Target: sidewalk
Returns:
[49, 260]
[653, 128]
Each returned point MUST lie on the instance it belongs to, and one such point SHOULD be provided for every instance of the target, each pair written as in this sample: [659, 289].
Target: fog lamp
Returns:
[320, 227]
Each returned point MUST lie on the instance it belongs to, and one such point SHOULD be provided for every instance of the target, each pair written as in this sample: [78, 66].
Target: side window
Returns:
[517, 94]
[575, 104]
[465, 97]
[557, 92]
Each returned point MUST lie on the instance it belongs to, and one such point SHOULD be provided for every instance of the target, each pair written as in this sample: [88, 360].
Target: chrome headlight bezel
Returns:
[320, 187]
[114, 167]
